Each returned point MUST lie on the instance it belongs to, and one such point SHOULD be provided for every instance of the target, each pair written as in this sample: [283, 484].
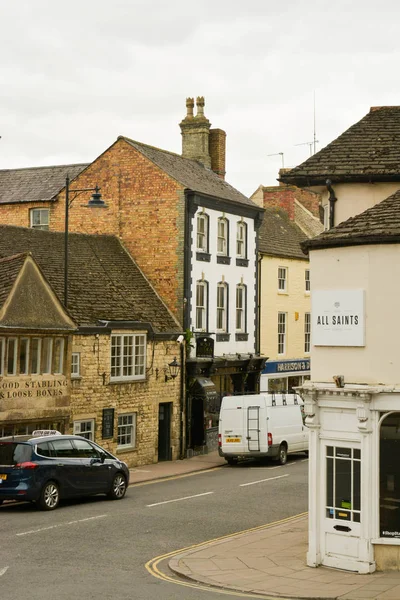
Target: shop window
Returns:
[343, 483]
[202, 232]
[128, 357]
[389, 477]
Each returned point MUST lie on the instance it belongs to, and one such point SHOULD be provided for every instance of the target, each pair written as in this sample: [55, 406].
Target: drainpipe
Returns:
[332, 200]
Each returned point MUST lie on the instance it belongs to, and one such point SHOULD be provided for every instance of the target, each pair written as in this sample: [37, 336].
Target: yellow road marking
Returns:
[172, 477]
[152, 565]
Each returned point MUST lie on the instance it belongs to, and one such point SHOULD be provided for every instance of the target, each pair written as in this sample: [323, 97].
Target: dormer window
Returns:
[202, 232]
[222, 242]
[241, 239]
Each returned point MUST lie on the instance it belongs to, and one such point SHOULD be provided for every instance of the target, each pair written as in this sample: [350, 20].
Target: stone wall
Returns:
[93, 392]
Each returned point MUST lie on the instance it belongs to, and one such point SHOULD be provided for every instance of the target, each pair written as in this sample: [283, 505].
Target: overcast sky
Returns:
[76, 74]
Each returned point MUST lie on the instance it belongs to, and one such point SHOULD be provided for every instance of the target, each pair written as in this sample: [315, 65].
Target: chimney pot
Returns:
[189, 108]
[200, 106]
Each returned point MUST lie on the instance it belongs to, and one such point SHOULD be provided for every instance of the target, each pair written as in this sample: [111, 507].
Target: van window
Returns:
[64, 449]
[13, 453]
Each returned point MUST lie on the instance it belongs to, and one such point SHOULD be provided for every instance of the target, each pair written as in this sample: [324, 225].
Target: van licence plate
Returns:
[3, 476]
[232, 440]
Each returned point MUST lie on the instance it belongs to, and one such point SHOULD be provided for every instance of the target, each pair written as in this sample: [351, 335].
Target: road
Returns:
[97, 549]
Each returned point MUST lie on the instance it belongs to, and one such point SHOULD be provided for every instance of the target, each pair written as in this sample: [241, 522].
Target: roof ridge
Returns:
[14, 256]
[124, 137]
[46, 167]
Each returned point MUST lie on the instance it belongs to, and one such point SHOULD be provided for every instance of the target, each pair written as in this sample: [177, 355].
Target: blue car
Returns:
[48, 468]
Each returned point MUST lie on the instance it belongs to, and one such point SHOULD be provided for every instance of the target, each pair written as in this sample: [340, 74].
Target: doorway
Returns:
[164, 431]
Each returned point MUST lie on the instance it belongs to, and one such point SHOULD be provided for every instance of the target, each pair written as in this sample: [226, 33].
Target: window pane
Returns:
[85, 450]
[64, 448]
[128, 356]
[139, 355]
[116, 351]
[356, 485]
[2, 354]
[12, 356]
[47, 347]
[35, 356]
[75, 364]
[343, 484]
[23, 356]
[58, 355]
[329, 482]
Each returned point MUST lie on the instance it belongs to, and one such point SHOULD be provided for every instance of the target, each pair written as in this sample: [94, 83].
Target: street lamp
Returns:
[174, 367]
[95, 201]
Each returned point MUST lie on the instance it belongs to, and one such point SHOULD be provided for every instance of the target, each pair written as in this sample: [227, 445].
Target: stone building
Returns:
[191, 233]
[101, 368]
[352, 402]
[284, 303]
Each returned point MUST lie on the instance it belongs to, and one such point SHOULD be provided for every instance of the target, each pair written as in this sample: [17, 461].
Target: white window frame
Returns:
[282, 333]
[282, 280]
[222, 308]
[307, 333]
[42, 224]
[129, 356]
[2, 354]
[75, 364]
[202, 232]
[241, 239]
[222, 236]
[307, 281]
[241, 302]
[126, 428]
[201, 309]
[85, 428]
[15, 357]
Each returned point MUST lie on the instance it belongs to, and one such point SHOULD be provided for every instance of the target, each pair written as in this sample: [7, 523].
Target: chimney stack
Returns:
[201, 143]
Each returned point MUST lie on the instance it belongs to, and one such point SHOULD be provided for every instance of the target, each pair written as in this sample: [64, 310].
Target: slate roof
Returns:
[104, 282]
[36, 184]
[367, 151]
[9, 270]
[279, 236]
[191, 173]
[380, 224]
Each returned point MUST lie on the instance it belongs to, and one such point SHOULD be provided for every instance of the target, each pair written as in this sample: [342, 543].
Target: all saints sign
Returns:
[338, 318]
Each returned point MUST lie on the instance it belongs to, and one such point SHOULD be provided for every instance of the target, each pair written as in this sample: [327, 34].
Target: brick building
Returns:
[99, 369]
[191, 233]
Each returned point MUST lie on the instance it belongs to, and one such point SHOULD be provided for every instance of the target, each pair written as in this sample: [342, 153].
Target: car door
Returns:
[97, 472]
[69, 467]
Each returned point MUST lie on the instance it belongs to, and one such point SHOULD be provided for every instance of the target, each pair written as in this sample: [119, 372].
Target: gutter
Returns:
[332, 200]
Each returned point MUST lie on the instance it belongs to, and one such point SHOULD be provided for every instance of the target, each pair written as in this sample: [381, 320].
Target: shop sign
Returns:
[28, 388]
[338, 318]
[204, 347]
[286, 366]
[108, 423]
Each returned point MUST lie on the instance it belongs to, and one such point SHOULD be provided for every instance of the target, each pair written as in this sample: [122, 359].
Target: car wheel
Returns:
[49, 496]
[232, 461]
[282, 456]
[118, 487]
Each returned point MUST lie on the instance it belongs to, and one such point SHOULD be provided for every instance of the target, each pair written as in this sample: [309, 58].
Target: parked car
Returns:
[45, 468]
[261, 426]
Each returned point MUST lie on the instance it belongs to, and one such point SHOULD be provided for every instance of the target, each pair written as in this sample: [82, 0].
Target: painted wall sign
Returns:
[286, 366]
[338, 318]
[29, 388]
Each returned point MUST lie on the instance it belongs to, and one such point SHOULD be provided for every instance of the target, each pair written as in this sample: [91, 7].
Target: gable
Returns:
[32, 304]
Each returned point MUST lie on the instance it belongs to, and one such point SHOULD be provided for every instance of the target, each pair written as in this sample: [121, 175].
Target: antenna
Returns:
[310, 144]
[315, 133]
[279, 154]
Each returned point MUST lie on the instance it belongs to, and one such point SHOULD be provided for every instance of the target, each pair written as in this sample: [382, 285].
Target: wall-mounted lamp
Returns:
[173, 368]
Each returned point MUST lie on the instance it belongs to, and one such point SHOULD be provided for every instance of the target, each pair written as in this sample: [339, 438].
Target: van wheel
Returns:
[282, 456]
[49, 496]
[232, 461]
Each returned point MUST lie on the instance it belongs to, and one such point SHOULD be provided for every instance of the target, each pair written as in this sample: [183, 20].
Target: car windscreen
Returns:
[12, 453]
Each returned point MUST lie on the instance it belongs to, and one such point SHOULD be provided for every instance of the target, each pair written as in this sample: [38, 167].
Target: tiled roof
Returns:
[35, 184]
[104, 282]
[192, 174]
[367, 151]
[377, 225]
[9, 269]
[279, 236]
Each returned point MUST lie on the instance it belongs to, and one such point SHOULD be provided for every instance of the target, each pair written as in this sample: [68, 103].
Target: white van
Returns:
[261, 425]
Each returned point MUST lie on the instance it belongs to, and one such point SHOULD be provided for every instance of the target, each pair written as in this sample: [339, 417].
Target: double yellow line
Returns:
[152, 565]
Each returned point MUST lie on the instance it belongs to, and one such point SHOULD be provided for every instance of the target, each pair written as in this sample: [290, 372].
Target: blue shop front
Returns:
[284, 375]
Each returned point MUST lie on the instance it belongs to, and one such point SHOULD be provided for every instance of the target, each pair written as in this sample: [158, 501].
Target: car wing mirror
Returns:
[95, 461]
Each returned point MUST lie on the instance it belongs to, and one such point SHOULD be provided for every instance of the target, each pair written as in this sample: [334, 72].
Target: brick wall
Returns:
[284, 197]
[91, 393]
[217, 148]
[145, 208]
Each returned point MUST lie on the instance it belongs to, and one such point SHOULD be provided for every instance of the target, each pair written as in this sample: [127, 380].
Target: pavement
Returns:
[269, 561]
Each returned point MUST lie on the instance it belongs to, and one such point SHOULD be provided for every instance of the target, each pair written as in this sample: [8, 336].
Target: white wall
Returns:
[232, 275]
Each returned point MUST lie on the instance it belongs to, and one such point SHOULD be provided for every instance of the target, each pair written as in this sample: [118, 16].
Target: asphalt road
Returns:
[97, 549]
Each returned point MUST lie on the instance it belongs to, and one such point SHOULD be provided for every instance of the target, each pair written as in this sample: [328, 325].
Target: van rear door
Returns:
[232, 426]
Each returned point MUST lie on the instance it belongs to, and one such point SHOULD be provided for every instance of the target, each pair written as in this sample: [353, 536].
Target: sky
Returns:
[75, 75]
